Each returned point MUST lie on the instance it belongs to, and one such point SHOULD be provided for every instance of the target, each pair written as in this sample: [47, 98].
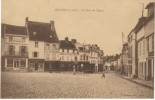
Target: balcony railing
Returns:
[19, 54]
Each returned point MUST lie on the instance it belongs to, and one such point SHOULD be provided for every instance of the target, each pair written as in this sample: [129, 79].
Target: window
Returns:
[54, 45]
[23, 39]
[54, 56]
[10, 38]
[87, 58]
[150, 44]
[84, 57]
[11, 50]
[34, 33]
[62, 50]
[81, 57]
[47, 46]
[47, 55]
[143, 46]
[67, 50]
[35, 54]
[75, 58]
[23, 50]
[36, 44]
[62, 58]
[131, 38]
[9, 62]
[23, 63]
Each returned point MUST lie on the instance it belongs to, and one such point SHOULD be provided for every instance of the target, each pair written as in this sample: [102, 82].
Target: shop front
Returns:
[36, 65]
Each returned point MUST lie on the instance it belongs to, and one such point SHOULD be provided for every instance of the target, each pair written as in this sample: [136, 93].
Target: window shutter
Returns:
[32, 54]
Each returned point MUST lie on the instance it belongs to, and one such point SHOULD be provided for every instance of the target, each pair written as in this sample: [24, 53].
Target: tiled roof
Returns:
[140, 24]
[39, 31]
[67, 44]
[150, 4]
[12, 29]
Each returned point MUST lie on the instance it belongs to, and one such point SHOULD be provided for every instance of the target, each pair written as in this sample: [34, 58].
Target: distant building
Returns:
[94, 57]
[141, 46]
[149, 35]
[132, 54]
[14, 47]
[125, 59]
[68, 54]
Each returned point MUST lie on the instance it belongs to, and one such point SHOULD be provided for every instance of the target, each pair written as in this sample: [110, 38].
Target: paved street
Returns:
[67, 85]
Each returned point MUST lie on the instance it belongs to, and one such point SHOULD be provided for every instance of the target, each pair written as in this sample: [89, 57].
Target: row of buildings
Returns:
[36, 47]
[137, 57]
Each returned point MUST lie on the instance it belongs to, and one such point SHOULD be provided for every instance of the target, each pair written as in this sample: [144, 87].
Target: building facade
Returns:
[124, 56]
[15, 47]
[43, 45]
[149, 36]
[68, 55]
[132, 54]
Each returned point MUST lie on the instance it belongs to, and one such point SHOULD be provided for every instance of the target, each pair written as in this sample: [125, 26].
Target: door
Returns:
[16, 64]
[36, 66]
[149, 68]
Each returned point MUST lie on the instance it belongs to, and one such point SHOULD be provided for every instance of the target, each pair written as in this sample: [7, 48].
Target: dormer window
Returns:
[34, 33]
[36, 44]
[10, 38]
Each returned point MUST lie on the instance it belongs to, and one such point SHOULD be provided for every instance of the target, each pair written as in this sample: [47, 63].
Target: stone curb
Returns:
[150, 87]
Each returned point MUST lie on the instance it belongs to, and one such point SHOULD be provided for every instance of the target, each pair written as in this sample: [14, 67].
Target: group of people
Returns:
[74, 70]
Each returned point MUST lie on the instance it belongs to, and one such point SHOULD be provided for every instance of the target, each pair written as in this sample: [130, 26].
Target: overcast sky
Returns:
[91, 27]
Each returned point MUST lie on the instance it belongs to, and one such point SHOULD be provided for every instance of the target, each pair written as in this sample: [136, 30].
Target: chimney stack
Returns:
[52, 22]
[26, 19]
[66, 39]
[73, 40]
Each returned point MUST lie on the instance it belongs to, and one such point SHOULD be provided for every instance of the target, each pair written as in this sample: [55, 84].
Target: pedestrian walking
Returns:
[74, 70]
[103, 75]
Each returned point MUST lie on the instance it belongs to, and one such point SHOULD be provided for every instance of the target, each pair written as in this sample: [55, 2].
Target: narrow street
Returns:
[67, 85]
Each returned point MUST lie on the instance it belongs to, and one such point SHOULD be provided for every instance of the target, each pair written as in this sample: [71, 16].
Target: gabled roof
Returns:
[150, 4]
[67, 44]
[39, 31]
[12, 29]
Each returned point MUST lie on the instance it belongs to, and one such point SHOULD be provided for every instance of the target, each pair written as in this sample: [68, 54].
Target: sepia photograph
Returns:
[77, 49]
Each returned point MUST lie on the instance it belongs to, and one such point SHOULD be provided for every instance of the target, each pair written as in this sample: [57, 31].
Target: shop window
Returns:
[23, 63]
[9, 62]
[32, 65]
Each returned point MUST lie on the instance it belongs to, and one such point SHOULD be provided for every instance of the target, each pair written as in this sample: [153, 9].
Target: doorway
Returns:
[36, 66]
[16, 64]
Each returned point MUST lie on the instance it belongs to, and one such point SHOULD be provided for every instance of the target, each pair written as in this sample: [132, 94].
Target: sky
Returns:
[98, 22]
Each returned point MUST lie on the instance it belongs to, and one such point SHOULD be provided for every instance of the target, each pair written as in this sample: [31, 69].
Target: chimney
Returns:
[66, 38]
[73, 40]
[26, 19]
[52, 22]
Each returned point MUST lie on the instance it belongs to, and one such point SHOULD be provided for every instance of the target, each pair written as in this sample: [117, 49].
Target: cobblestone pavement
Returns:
[67, 85]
